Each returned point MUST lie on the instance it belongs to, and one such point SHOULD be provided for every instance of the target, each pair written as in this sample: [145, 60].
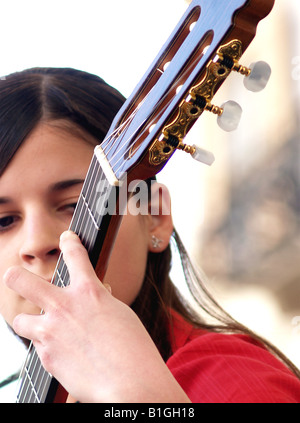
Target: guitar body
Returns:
[168, 101]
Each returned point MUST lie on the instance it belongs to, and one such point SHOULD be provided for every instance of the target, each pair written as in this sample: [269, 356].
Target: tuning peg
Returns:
[229, 115]
[258, 77]
[202, 155]
[198, 153]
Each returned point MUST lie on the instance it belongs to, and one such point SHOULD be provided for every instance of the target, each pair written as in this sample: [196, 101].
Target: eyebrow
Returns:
[61, 185]
[57, 186]
[4, 200]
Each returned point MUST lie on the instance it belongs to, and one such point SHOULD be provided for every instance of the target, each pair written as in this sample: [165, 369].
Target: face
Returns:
[38, 193]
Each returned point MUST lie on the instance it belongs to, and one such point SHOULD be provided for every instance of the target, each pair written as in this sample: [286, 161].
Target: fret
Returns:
[35, 380]
[90, 213]
[44, 383]
[24, 393]
[29, 390]
[37, 398]
[62, 280]
[32, 371]
[61, 276]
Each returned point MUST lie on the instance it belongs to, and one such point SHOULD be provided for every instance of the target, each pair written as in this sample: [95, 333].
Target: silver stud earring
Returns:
[156, 241]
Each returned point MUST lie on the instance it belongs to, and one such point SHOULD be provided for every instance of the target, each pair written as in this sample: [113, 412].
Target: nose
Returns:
[40, 240]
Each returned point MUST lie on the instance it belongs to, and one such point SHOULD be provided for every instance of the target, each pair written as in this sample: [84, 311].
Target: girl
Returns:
[131, 337]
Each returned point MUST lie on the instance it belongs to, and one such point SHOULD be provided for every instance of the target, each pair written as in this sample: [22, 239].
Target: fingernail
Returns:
[67, 235]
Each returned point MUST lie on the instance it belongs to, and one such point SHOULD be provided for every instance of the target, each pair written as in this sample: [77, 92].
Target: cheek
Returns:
[128, 261]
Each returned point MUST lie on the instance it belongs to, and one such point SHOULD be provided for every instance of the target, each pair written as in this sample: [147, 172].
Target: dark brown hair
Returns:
[87, 102]
[49, 94]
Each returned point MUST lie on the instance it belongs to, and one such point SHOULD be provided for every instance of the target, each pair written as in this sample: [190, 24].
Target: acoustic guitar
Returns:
[204, 49]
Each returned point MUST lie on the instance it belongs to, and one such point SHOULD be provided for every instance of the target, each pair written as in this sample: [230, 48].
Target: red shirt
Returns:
[221, 368]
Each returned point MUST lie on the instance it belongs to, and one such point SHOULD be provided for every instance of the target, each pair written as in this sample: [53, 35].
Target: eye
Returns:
[6, 222]
[69, 208]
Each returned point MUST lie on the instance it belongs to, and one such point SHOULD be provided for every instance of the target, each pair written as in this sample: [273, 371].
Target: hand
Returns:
[92, 343]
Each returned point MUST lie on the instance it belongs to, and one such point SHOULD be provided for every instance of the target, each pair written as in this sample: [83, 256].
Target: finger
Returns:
[76, 258]
[28, 326]
[107, 287]
[30, 286]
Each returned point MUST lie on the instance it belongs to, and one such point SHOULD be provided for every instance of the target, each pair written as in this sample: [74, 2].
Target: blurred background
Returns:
[239, 218]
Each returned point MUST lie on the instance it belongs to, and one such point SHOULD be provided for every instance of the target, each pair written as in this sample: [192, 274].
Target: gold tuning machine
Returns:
[229, 115]
[257, 75]
[198, 153]
[199, 99]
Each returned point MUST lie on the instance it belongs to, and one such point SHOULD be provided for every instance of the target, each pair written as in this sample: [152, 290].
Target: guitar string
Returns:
[82, 215]
[109, 142]
[33, 359]
[31, 366]
[127, 142]
[118, 156]
[110, 139]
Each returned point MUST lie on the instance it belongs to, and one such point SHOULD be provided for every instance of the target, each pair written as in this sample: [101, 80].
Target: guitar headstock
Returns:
[204, 48]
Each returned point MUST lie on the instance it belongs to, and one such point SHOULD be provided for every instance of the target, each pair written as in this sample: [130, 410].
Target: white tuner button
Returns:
[203, 156]
[259, 76]
[230, 117]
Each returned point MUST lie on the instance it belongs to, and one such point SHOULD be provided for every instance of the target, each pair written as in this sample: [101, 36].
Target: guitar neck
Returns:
[95, 209]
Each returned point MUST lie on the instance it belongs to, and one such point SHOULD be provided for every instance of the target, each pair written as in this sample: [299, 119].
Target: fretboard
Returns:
[90, 221]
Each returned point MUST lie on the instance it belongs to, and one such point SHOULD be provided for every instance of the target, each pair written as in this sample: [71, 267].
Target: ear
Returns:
[160, 223]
